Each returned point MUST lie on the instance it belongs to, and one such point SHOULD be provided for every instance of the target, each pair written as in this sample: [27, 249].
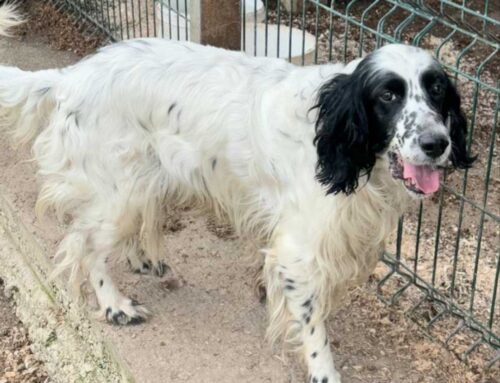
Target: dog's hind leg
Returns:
[294, 308]
[135, 257]
[145, 217]
[151, 234]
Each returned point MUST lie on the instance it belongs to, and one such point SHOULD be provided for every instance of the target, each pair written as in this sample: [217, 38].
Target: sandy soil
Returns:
[211, 327]
[17, 362]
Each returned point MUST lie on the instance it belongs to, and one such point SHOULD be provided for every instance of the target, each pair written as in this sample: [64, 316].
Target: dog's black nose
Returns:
[433, 145]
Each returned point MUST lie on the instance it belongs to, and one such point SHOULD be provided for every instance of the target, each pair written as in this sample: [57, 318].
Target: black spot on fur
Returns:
[171, 107]
[314, 354]
[289, 287]
[312, 330]
[409, 124]
[420, 128]
[73, 115]
[407, 133]
[324, 380]
[307, 303]
[315, 380]
[142, 125]
[214, 163]
[101, 282]
[286, 135]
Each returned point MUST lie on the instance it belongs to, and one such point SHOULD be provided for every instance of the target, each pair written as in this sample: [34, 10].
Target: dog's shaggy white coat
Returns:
[149, 124]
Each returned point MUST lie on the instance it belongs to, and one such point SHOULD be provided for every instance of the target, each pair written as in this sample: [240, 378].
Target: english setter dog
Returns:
[318, 161]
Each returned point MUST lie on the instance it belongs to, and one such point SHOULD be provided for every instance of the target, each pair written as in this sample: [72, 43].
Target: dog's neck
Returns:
[365, 220]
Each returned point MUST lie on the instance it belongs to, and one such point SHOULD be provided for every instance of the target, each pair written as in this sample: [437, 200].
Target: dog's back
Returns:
[189, 114]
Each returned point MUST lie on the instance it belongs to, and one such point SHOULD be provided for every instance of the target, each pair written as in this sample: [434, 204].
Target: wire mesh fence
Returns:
[443, 264]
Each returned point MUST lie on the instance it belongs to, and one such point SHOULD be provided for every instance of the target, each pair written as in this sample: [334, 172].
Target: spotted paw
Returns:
[129, 313]
[137, 262]
[140, 267]
[160, 268]
[332, 378]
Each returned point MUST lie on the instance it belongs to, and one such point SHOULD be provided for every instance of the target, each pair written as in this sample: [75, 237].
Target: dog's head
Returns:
[399, 103]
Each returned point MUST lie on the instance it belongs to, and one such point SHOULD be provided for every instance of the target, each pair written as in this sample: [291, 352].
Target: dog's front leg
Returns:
[315, 346]
[296, 310]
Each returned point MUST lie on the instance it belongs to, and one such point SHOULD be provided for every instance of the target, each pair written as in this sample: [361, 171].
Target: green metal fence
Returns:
[443, 265]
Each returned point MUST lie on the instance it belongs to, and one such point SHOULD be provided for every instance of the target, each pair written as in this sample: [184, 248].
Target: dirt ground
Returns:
[17, 362]
[211, 327]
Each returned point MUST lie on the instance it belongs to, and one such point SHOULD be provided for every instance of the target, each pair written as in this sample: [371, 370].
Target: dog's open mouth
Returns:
[420, 179]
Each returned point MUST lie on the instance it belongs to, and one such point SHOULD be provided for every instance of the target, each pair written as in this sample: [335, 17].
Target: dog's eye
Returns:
[388, 96]
[437, 90]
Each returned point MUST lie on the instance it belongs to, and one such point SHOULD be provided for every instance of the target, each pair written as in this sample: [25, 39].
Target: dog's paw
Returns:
[141, 265]
[333, 377]
[160, 268]
[138, 262]
[147, 267]
[129, 312]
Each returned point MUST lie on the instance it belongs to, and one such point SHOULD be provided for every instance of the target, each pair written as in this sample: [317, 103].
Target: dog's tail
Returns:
[24, 96]
[26, 101]
[9, 17]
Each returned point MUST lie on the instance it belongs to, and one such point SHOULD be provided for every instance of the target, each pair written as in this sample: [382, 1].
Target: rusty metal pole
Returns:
[217, 23]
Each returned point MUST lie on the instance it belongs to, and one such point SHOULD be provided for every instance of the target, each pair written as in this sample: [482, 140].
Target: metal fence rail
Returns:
[443, 266]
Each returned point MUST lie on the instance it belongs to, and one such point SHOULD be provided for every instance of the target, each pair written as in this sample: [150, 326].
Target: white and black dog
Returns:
[318, 161]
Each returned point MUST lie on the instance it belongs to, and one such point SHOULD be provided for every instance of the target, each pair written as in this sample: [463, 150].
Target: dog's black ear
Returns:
[458, 128]
[342, 135]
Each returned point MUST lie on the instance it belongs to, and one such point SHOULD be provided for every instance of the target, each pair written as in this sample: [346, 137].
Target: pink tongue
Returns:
[423, 177]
